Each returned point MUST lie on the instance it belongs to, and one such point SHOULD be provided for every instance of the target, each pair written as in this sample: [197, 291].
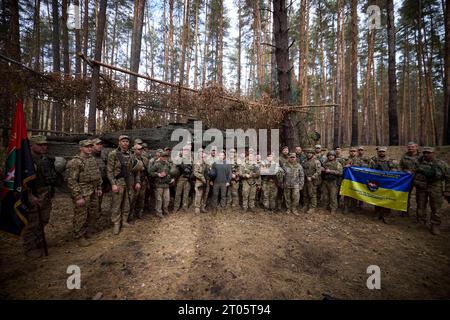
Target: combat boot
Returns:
[333, 211]
[435, 230]
[203, 210]
[295, 212]
[159, 214]
[83, 242]
[197, 210]
[139, 215]
[116, 229]
[126, 225]
[33, 253]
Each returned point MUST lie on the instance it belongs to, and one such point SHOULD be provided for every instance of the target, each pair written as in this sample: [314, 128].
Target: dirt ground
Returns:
[235, 255]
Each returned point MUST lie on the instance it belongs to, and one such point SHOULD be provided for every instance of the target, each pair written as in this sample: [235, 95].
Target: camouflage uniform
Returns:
[407, 164]
[162, 192]
[124, 178]
[270, 175]
[249, 174]
[44, 182]
[293, 182]
[431, 179]
[330, 182]
[311, 168]
[200, 173]
[101, 163]
[84, 179]
[138, 198]
[183, 184]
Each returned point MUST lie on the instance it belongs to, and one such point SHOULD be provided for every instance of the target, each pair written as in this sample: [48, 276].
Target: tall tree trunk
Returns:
[136, 42]
[96, 69]
[220, 47]
[36, 54]
[354, 64]
[281, 36]
[446, 10]
[171, 48]
[197, 11]
[392, 106]
[184, 38]
[66, 63]
[85, 35]
[57, 123]
[206, 46]
[239, 48]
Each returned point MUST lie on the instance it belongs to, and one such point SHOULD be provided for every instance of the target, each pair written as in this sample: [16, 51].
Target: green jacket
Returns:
[158, 167]
[435, 173]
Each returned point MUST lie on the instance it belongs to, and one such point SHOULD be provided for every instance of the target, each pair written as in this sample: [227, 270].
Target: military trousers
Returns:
[270, 190]
[120, 205]
[330, 192]
[310, 192]
[292, 198]
[248, 194]
[162, 195]
[182, 193]
[233, 193]
[86, 216]
[32, 236]
[432, 195]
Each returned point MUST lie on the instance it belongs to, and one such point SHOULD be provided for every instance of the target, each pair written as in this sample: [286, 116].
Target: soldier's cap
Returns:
[144, 145]
[137, 146]
[317, 146]
[124, 136]
[382, 149]
[360, 148]
[167, 149]
[97, 141]
[284, 147]
[352, 148]
[138, 141]
[411, 143]
[38, 139]
[160, 151]
[428, 149]
[292, 155]
[165, 154]
[309, 150]
[331, 153]
[86, 143]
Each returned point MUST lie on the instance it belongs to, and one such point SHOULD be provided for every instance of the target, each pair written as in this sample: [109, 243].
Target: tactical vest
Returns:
[89, 171]
[45, 171]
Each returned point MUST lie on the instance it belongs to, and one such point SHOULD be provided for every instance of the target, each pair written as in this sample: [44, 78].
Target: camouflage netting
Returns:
[157, 104]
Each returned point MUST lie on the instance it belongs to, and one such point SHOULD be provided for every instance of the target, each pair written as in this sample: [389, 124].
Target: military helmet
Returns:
[97, 141]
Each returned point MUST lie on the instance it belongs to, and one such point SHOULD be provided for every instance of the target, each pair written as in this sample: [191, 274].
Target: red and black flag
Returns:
[19, 172]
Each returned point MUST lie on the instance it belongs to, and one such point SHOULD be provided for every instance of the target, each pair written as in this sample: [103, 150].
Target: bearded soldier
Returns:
[119, 171]
[85, 183]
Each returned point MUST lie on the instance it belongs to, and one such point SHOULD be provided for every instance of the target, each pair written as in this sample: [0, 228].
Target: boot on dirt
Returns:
[83, 242]
[197, 210]
[435, 230]
[295, 213]
[333, 211]
[116, 229]
[33, 253]
[203, 210]
[140, 215]
[159, 214]
[126, 225]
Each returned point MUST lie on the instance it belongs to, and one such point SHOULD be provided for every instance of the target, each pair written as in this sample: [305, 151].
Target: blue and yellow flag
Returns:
[389, 189]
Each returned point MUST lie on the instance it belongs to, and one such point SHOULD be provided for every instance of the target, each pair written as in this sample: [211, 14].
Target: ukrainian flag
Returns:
[389, 189]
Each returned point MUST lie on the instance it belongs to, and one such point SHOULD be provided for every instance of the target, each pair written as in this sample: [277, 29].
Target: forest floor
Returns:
[235, 255]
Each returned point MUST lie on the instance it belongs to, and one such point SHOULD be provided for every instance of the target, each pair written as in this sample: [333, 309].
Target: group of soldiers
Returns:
[300, 180]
